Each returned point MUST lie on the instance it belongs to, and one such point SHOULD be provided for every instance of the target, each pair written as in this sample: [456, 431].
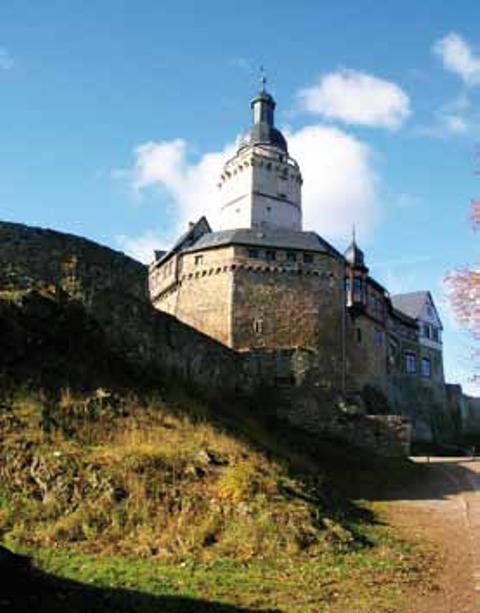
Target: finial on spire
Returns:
[263, 78]
[353, 233]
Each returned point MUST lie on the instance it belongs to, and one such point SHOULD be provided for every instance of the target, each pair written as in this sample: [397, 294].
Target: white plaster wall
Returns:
[273, 212]
[260, 187]
[429, 315]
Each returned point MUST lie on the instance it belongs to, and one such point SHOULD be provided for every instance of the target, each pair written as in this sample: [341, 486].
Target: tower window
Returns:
[253, 253]
[271, 255]
[378, 337]
[307, 258]
[359, 335]
[410, 363]
[357, 289]
[291, 256]
[426, 368]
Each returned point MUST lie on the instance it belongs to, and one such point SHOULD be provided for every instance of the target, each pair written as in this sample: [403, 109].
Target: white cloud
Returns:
[455, 124]
[6, 60]
[357, 98]
[141, 247]
[191, 187]
[454, 118]
[340, 185]
[458, 57]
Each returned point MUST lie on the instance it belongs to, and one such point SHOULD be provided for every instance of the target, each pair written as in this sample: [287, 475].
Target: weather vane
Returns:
[263, 78]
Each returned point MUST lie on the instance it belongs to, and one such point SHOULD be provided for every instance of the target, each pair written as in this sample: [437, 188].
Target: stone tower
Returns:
[261, 185]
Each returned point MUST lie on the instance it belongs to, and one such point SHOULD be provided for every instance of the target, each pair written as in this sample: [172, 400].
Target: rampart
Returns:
[113, 290]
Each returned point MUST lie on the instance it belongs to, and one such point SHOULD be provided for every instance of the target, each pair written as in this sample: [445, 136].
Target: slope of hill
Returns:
[125, 477]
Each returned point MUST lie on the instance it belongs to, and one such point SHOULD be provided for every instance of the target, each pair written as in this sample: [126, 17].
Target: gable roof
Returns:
[411, 303]
[414, 303]
[194, 233]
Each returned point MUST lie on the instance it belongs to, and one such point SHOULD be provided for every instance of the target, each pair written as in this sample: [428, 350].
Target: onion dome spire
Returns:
[263, 131]
[354, 255]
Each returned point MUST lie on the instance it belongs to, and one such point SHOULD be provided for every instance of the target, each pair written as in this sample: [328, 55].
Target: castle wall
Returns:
[204, 293]
[45, 260]
[162, 280]
[279, 309]
[112, 288]
[366, 354]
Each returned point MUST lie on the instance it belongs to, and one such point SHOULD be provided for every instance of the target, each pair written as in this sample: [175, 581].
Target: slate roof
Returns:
[265, 237]
[411, 303]
[185, 240]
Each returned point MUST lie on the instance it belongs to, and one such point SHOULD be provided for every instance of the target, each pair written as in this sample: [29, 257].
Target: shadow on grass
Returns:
[27, 589]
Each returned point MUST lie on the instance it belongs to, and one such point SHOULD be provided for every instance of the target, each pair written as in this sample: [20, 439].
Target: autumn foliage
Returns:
[463, 287]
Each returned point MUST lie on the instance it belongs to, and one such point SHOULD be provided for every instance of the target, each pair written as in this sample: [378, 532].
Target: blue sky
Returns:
[116, 115]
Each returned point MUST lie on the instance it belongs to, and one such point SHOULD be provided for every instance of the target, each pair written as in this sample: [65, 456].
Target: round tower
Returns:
[261, 185]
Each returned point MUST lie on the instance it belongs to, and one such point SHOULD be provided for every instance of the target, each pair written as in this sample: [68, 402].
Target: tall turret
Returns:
[261, 185]
[355, 280]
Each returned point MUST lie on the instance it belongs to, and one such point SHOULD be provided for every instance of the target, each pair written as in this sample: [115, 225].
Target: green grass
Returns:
[167, 500]
[132, 494]
[373, 579]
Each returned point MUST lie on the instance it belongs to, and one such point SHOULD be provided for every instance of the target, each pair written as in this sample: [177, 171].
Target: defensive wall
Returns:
[113, 290]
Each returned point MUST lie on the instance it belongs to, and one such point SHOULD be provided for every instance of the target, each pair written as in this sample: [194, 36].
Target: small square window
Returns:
[198, 260]
[271, 255]
[291, 256]
[307, 258]
[253, 253]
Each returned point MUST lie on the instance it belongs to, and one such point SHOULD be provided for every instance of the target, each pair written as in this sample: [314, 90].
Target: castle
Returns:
[312, 316]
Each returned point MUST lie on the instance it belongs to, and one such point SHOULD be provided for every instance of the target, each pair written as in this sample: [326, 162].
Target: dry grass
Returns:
[131, 477]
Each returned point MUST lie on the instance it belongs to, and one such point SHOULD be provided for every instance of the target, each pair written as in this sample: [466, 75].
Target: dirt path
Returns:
[444, 508]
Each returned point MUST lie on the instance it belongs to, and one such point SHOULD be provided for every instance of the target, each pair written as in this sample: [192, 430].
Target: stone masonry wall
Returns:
[366, 354]
[112, 287]
[34, 258]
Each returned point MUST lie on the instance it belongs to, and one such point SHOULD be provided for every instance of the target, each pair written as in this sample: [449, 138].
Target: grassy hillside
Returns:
[155, 495]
